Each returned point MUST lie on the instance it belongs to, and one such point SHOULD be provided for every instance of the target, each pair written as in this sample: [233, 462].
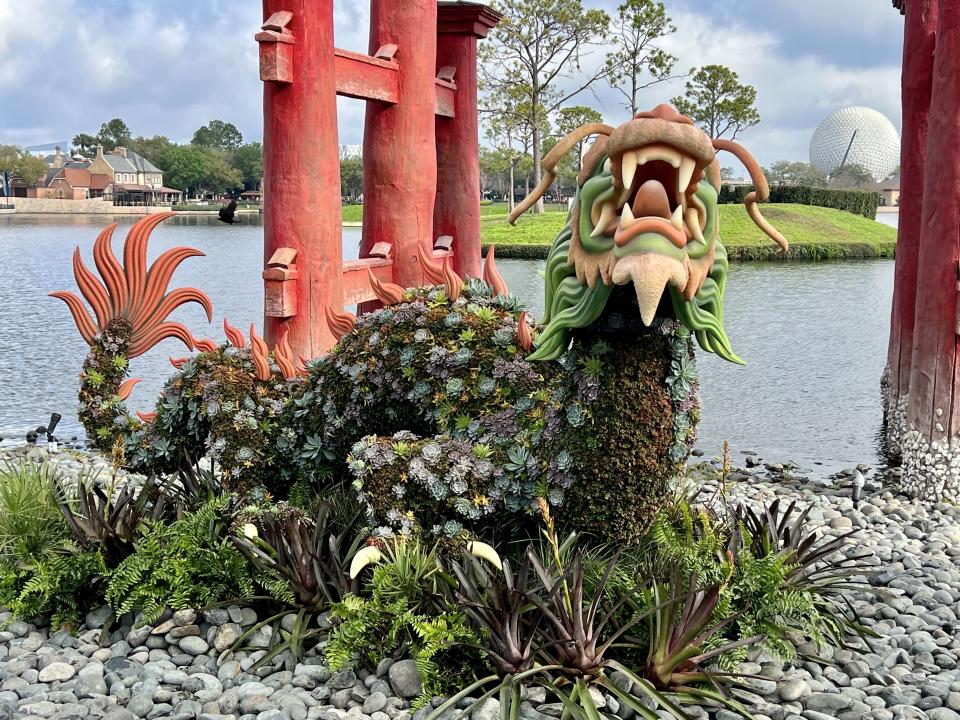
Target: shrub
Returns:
[857, 202]
[188, 563]
[41, 571]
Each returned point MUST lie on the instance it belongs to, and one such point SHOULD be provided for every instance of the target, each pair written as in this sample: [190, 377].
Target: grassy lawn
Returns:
[489, 211]
[814, 233]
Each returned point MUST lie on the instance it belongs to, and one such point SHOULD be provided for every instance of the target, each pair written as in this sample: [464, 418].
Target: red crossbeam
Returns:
[365, 77]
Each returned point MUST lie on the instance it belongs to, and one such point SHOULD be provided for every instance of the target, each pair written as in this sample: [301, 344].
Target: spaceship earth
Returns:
[876, 142]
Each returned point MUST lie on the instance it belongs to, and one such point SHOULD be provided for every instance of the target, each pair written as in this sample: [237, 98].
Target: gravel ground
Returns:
[178, 668]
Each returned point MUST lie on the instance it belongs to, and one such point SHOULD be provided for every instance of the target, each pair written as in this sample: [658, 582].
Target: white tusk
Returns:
[607, 214]
[687, 166]
[626, 216]
[606, 165]
[628, 167]
[366, 556]
[693, 222]
[484, 552]
[677, 218]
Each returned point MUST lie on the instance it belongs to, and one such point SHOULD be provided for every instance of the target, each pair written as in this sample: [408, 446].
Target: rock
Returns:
[375, 702]
[942, 713]
[343, 679]
[193, 645]
[140, 705]
[57, 672]
[98, 618]
[793, 690]
[489, 709]
[183, 618]
[227, 634]
[404, 679]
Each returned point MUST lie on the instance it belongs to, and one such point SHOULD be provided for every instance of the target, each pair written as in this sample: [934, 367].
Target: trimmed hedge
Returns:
[858, 202]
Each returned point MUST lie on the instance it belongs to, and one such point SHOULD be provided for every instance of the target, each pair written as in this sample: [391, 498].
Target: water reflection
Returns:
[814, 335]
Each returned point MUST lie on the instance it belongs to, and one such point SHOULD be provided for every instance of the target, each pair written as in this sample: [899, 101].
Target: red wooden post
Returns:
[399, 145]
[916, 84]
[302, 168]
[457, 211]
[930, 447]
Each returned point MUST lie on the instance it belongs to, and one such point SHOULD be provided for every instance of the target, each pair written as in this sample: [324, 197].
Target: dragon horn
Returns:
[388, 293]
[524, 339]
[259, 355]
[492, 276]
[451, 280]
[432, 271]
[760, 192]
[549, 164]
[365, 556]
[484, 552]
[340, 323]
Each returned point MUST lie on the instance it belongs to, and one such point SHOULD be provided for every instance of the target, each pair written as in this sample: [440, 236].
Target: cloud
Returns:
[66, 66]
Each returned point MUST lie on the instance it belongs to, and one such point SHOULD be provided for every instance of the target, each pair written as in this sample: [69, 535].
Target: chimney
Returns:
[120, 150]
[100, 151]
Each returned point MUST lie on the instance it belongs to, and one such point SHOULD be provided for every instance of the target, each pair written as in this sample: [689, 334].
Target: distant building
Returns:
[135, 180]
[120, 176]
[889, 191]
[351, 151]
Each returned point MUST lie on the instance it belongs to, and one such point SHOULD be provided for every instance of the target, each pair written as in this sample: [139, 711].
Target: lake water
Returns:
[814, 335]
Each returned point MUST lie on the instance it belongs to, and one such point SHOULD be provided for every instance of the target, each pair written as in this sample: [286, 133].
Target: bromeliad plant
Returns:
[543, 630]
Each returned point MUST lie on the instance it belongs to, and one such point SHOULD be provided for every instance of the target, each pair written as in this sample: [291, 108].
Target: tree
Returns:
[538, 44]
[716, 100]
[570, 118]
[85, 144]
[785, 172]
[31, 169]
[184, 167]
[248, 159]
[114, 133]
[219, 175]
[351, 177]
[726, 173]
[9, 157]
[151, 147]
[218, 134]
[851, 175]
[638, 27]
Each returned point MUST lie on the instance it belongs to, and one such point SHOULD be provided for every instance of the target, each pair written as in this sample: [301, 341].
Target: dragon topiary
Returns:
[447, 408]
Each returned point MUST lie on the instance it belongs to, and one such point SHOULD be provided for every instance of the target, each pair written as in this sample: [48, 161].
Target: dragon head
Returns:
[645, 214]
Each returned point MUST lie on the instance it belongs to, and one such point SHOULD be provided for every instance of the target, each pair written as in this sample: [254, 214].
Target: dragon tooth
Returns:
[677, 218]
[687, 166]
[626, 216]
[628, 167]
[693, 222]
[607, 165]
[607, 213]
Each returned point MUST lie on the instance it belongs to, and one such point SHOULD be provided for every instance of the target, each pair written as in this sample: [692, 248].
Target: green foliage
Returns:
[858, 202]
[113, 133]
[61, 585]
[219, 135]
[41, 572]
[638, 61]
[787, 173]
[248, 160]
[718, 102]
[31, 525]
[405, 612]
[188, 563]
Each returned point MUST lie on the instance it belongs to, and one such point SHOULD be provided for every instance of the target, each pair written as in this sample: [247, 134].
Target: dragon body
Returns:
[447, 409]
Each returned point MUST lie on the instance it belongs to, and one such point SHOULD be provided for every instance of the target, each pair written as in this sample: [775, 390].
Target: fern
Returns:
[58, 586]
[189, 563]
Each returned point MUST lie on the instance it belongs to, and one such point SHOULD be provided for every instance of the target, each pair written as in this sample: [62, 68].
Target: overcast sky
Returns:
[168, 67]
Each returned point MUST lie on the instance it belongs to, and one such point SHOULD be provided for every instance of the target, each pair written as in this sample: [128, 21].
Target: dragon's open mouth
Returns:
[655, 193]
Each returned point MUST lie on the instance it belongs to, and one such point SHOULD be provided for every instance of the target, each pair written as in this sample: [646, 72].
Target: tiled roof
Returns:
[119, 163]
[141, 163]
[99, 181]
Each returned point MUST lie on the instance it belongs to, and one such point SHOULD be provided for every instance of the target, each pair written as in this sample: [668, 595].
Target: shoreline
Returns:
[744, 253]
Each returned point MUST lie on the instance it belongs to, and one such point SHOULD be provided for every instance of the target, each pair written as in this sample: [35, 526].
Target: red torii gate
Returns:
[922, 382]
[421, 174]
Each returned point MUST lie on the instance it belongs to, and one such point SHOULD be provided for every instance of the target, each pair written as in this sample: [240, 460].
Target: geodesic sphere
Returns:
[876, 142]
